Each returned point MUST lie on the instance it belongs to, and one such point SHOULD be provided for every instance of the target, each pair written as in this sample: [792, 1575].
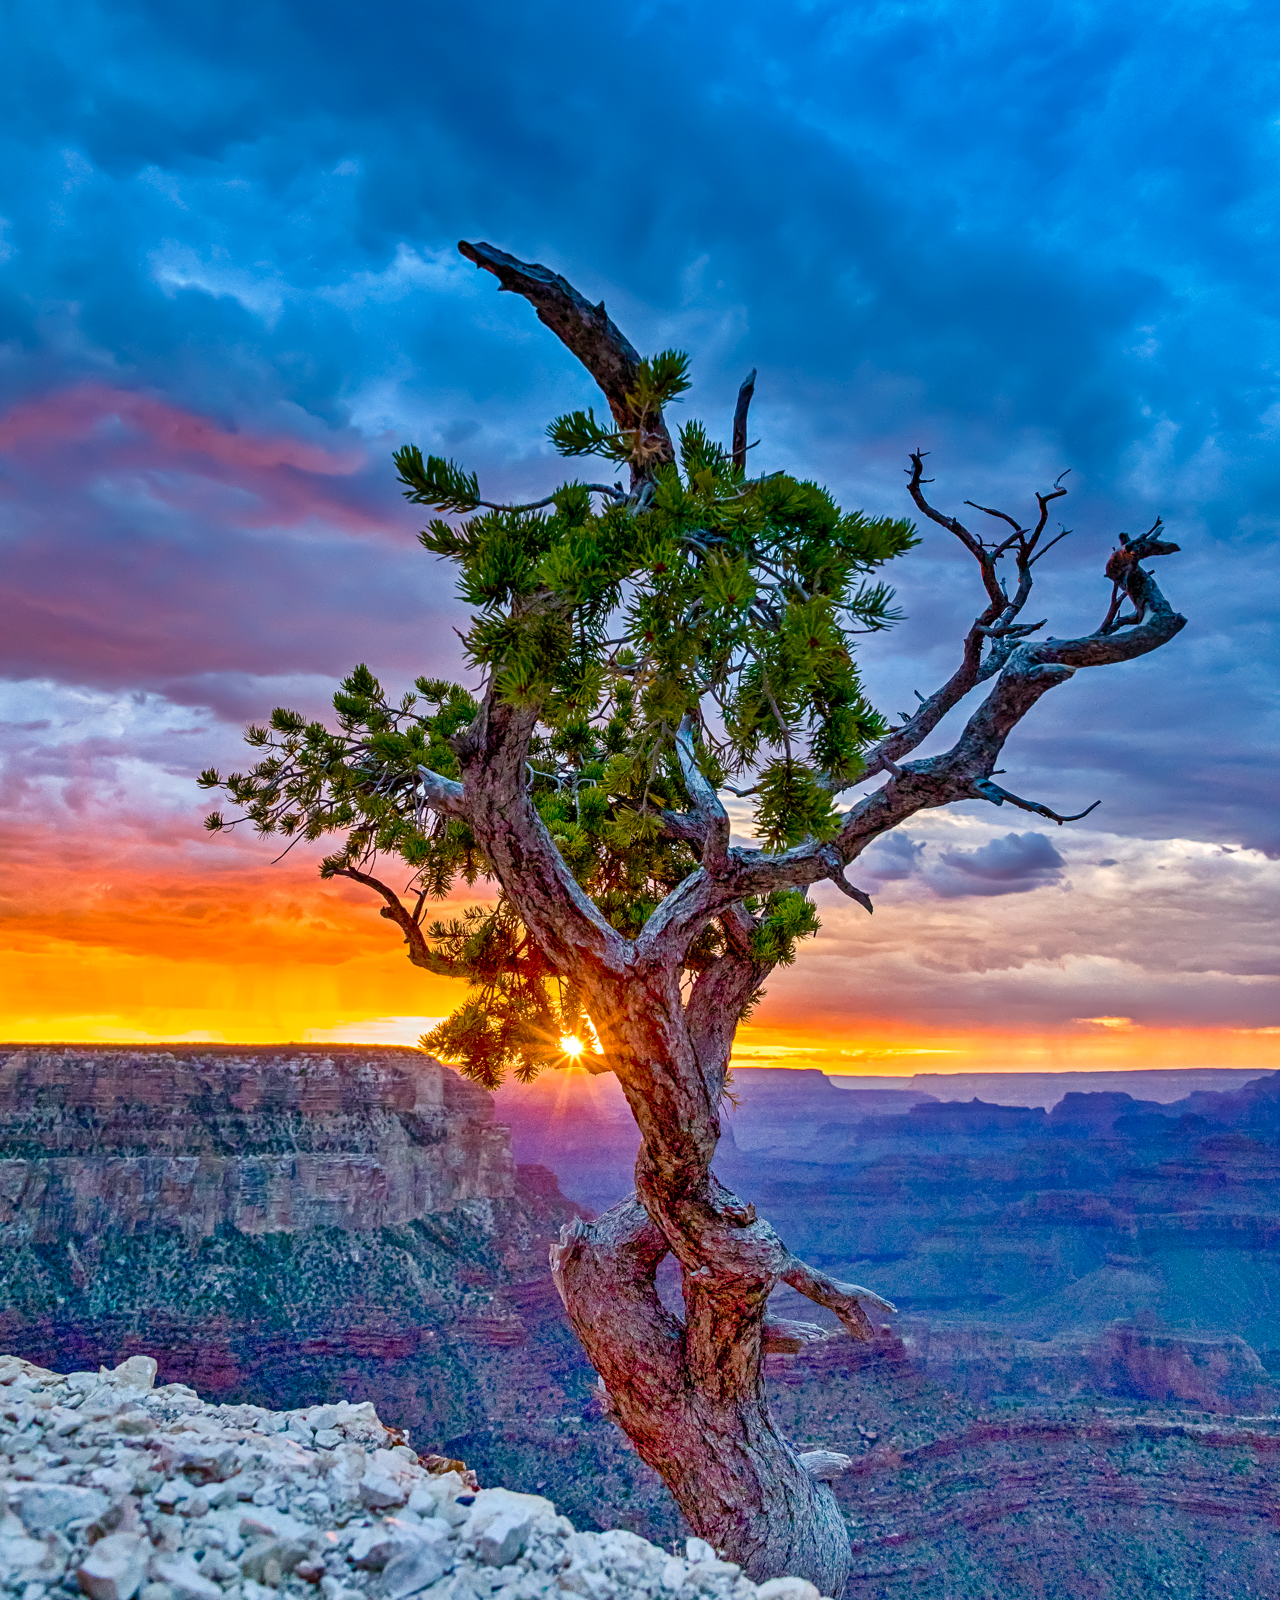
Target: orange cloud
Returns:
[169, 937]
[879, 1047]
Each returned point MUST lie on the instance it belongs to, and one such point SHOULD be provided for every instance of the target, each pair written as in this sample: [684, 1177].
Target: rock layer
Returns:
[260, 1141]
[274, 1223]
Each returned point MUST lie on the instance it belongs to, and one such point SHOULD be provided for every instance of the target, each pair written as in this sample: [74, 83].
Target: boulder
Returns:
[501, 1522]
[115, 1567]
[46, 1506]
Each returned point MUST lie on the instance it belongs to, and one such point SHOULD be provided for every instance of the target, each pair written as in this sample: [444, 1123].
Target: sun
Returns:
[572, 1046]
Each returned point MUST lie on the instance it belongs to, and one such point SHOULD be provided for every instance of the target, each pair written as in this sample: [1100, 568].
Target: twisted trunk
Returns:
[690, 1396]
[690, 1393]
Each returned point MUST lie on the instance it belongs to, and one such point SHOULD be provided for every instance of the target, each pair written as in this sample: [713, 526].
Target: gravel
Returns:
[121, 1491]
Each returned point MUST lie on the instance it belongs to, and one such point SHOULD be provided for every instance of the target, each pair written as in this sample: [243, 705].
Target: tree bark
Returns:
[690, 1393]
[691, 1398]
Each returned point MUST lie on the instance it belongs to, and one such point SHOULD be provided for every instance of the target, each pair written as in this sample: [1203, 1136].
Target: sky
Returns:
[1021, 238]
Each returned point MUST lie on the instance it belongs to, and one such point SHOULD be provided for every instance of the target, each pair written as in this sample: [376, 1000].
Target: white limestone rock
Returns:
[43, 1506]
[188, 1501]
[501, 1523]
[115, 1567]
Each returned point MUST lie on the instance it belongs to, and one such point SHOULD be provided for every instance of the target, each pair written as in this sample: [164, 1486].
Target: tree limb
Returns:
[395, 910]
[565, 922]
[706, 802]
[740, 420]
[825, 1464]
[836, 875]
[720, 994]
[998, 796]
[587, 330]
[442, 794]
[974, 546]
[786, 1338]
[842, 1298]
[1031, 671]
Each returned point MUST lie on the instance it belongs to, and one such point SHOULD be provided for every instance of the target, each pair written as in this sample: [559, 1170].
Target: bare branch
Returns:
[706, 802]
[740, 420]
[1012, 630]
[973, 545]
[1057, 539]
[684, 827]
[842, 1298]
[997, 623]
[1003, 515]
[998, 796]
[587, 330]
[395, 910]
[442, 794]
[611, 489]
[1032, 669]
[836, 875]
[824, 1465]
[1046, 500]
[787, 1338]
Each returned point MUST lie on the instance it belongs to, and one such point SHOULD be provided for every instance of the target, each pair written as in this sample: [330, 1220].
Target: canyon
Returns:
[1080, 1380]
[284, 1224]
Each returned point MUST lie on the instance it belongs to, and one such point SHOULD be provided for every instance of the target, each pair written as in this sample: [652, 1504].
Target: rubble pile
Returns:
[118, 1490]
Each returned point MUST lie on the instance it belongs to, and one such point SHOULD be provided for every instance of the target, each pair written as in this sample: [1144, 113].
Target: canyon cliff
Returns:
[278, 1223]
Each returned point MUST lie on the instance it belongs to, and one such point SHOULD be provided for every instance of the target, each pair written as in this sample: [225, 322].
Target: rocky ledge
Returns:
[116, 1489]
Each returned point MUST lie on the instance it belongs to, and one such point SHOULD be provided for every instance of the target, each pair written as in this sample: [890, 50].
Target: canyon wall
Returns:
[131, 1141]
[1072, 1390]
[286, 1225]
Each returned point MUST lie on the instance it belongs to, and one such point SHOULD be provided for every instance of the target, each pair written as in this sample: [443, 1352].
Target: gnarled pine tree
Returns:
[643, 649]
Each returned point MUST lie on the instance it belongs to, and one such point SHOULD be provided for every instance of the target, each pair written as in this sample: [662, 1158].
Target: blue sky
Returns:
[1021, 238]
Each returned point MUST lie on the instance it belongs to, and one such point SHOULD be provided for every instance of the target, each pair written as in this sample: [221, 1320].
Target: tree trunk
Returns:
[690, 1396]
[690, 1393]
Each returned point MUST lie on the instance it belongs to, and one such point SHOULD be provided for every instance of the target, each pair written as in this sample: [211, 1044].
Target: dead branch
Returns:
[842, 1298]
[587, 330]
[442, 794]
[395, 910]
[1031, 670]
[740, 420]
[789, 1338]
[997, 796]
[824, 1465]
[836, 875]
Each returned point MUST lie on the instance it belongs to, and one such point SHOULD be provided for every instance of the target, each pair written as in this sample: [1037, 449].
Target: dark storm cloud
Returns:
[1023, 239]
[1014, 864]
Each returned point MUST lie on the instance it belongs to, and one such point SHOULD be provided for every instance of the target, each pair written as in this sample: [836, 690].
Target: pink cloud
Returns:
[147, 450]
[79, 412]
[146, 542]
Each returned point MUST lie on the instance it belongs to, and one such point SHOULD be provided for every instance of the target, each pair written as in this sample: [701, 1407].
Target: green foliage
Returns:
[782, 920]
[436, 482]
[516, 1013]
[733, 600]
[659, 380]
